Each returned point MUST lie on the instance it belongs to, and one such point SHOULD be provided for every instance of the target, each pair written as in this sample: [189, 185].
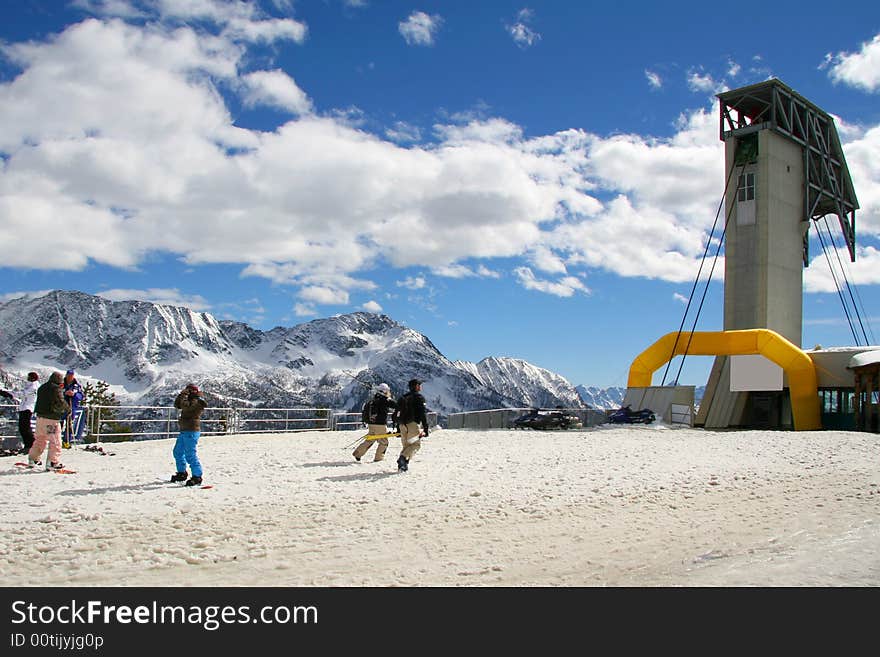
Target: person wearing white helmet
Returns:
[375, 417]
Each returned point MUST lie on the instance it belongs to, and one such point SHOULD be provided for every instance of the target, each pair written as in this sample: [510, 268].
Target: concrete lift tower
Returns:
[785, 169]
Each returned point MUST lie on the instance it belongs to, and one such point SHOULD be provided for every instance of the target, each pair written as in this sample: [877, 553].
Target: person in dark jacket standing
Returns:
[191, 403]
[411, 413]
[49, 409]
[380, 404]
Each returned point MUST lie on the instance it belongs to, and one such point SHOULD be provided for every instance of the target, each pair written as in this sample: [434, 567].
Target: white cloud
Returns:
[33, 294]
[864, 271]
[463, 271]
[654, 79]
[864, 167]
[564, 287]
[412, 283]
[403, 133]
[733, 69]
[704, 82]
[523, 35]
[420, 28]
[164, 296]
[859, 69]
[546, 260]
[121, 129]
[680, 297]
[323, 295]
[119, 8]
[372, 307]
[304, 310]
[275, 89]
[485, 272]
[238, 20]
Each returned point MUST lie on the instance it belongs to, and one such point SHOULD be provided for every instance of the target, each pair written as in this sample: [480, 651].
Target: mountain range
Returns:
[147, 352]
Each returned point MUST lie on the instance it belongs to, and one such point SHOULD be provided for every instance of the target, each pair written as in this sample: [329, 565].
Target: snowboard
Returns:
[183, 485]
[28, 466]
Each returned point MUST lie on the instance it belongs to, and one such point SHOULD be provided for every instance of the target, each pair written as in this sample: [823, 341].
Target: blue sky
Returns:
[511, 179]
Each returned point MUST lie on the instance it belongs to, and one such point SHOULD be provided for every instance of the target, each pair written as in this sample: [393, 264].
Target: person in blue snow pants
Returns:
[191, 403]
[185, 452]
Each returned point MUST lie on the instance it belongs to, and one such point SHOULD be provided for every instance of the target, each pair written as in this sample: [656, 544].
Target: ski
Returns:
[377, 436]
[28, 466]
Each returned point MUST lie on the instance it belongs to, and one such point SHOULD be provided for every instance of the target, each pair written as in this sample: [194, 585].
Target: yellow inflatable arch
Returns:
[796, 363]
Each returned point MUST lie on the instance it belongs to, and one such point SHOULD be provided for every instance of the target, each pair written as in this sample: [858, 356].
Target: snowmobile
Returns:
[534, 419]
[626, 415]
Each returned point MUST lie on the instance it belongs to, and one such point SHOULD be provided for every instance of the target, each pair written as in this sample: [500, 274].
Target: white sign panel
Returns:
[754, 372]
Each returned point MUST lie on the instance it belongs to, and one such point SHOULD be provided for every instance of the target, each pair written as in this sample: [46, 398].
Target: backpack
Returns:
[404, 409]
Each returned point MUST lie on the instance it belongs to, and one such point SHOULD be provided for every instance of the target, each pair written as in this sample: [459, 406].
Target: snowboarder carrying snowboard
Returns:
[191, 404]
[375, 416]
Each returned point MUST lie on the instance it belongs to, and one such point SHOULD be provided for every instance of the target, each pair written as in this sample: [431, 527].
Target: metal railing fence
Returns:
[151, 422]
[116, 423]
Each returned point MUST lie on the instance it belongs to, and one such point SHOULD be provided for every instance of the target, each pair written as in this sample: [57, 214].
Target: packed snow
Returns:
[634, 506]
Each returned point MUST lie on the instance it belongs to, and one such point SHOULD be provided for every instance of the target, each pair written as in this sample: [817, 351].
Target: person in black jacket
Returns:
[380, 404]
[411, 413]
[49, 409]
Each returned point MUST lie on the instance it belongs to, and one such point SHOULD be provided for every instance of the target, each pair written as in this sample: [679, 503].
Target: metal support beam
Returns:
[828, 185]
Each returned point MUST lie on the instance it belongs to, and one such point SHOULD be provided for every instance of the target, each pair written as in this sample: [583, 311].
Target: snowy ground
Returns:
[639, 506]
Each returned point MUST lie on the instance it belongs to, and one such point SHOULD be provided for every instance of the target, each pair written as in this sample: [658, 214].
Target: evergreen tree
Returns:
[99, 394]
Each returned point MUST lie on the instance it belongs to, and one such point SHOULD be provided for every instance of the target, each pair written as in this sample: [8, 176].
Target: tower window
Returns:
[746, 188]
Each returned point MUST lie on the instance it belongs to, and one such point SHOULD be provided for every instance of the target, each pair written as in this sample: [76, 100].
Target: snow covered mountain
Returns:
[611, 398]
[521, 380]
[147, 352]
[602, 398]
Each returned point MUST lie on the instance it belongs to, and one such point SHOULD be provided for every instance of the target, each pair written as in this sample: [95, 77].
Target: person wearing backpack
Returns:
[49, 408]
[411, 413]
[375, 416]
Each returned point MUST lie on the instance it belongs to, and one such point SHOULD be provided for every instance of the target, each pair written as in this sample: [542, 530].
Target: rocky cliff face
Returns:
[147, 352]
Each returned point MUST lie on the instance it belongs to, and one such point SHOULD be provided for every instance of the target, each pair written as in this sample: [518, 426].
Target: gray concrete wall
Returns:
[763, 286]
[660, 400]
[502, 418]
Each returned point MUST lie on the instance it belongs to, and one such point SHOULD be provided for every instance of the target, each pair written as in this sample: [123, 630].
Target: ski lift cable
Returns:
[837, 286]
[699, 271]
[705, 290]
[846, 280]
